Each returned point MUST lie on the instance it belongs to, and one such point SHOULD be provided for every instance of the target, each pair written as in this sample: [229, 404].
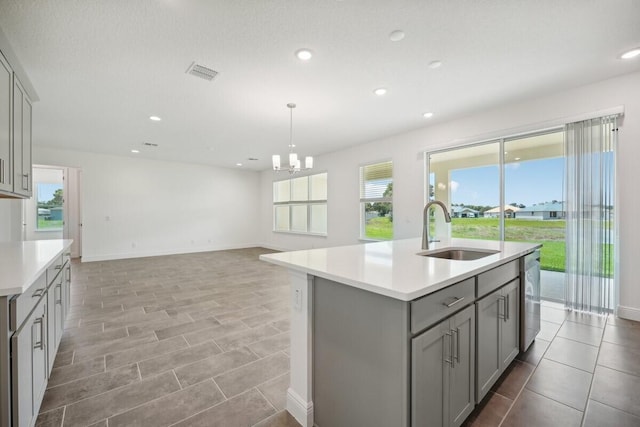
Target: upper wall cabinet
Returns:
[16, 178]
[22, 175]
[6, 143]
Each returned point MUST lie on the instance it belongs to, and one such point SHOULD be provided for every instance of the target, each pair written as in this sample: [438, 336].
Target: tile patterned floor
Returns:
[202, 340]
[185, 340]
[582, 370]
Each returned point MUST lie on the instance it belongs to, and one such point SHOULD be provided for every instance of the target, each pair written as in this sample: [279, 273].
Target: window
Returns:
[300, 205]
[49, 206]
[376, 201]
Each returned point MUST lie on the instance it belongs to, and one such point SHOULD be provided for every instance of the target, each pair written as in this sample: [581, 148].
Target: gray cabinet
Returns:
[36, 318]
[6, 88]
[29, 366]
[498, 334]
[22, 175]
[55, 318]
[443, 372]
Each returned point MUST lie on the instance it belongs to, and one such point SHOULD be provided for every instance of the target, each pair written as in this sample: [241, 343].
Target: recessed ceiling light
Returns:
[155, 118]
[238, 164]
[435, 64]
[427, 115]
[517, 158]
[304, 54]
[135, 151]
[396, 36]
[631, 53]
[380, 91]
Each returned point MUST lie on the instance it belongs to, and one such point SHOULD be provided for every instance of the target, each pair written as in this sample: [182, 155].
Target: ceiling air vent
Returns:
[202, 72]
[150, 144]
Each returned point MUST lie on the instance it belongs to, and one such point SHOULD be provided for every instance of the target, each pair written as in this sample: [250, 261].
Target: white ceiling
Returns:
[101, 68]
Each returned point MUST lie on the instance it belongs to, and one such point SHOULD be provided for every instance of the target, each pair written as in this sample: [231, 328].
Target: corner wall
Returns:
[133, 207]
[404, 149]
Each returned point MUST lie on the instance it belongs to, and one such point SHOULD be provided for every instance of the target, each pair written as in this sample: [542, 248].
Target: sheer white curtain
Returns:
[590, 185]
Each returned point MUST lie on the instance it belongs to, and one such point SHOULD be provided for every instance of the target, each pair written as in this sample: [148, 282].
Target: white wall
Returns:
[133, 207]
[10, 220]
[408, 166]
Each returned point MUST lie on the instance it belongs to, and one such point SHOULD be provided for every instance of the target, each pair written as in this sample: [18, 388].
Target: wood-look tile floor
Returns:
[189, 340]
[582, 370]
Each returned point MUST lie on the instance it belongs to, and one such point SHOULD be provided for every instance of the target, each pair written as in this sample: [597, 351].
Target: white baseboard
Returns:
[300, 410]
[144, 254]
[629, 313]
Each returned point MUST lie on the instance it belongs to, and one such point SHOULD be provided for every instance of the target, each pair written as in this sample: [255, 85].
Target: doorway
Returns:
[54, 210]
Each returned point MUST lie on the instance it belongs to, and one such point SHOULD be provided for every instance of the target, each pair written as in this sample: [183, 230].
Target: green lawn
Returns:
[46, 224]
[379, 228]
[551, 234]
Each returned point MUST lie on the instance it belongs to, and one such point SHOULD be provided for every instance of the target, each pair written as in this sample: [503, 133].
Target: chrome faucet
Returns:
[425, 221]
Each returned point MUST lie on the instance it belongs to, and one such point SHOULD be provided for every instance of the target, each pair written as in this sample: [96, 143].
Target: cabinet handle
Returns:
[59, 289]
[450, 359]
[39, 343]
[454, 302]
[1, 171]
[25, 175]
[507, 308]
[457, 352]
[58, 267]
[38, 293]
[503, 315]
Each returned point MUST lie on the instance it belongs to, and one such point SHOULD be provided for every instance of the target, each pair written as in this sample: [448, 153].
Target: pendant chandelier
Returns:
[294, 162]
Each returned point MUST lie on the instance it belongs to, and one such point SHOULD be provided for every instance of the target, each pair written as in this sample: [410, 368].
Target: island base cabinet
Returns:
[29, 366]
[498, 335]
[443, 372]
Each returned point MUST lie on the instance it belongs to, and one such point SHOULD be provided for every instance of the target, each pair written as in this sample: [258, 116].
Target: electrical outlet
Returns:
[297, 299]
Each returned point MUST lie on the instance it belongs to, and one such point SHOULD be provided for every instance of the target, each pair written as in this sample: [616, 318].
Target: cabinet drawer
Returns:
[23, 304]
[493, 279]
[435, 307]
[55, 268]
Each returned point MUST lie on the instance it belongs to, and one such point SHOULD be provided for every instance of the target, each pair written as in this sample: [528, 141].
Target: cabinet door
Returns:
[21, 141]
[489, 312]
[510, 335]
[28, 366]
[6, 184]
[462, 390]
[430, 365]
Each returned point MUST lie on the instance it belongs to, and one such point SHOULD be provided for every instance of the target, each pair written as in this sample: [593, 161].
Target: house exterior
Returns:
[543, 211]
[509, 212]
[464, 212]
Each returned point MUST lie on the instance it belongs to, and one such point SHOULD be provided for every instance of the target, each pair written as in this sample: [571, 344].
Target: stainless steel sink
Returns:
[458, 254]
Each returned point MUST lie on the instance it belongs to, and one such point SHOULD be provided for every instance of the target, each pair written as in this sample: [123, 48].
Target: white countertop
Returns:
[393, 268]
[21, 263]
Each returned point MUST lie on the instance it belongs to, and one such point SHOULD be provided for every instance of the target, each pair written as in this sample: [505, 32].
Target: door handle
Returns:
[450, 359]
[507, 307]
[39, 344]
[456, 354]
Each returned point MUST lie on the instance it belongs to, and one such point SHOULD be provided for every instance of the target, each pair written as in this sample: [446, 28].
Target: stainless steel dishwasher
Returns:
[529, 299]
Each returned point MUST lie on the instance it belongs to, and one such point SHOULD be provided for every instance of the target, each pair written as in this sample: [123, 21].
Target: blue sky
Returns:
[527, 183]
[45, 191]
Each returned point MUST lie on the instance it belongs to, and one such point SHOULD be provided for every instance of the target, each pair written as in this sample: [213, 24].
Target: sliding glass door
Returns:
[467, 181]
[534, 188]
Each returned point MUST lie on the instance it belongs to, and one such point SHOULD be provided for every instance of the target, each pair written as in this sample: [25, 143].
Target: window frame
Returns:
[291, 203]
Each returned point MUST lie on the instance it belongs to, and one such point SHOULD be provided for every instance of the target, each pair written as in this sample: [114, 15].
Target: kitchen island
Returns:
[382, 335]
[35, 278]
